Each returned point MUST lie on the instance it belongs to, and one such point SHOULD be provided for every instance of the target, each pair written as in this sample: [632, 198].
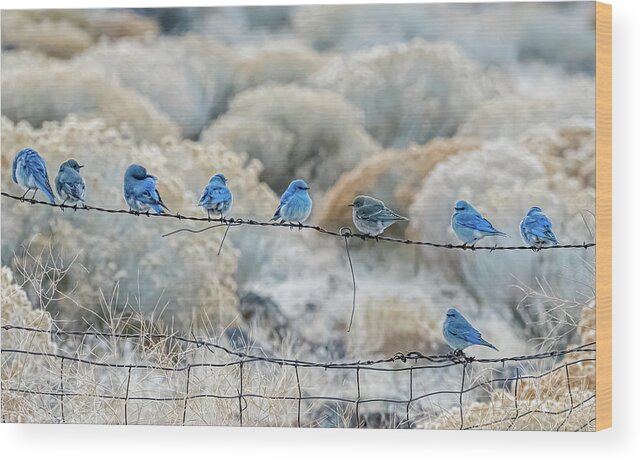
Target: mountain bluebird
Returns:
[469, 225]
[70, 184]
[371, 216]
[30, 171]
[295, 204]
[536, 230]
[216, 197]
[139, 190]
[459, 334]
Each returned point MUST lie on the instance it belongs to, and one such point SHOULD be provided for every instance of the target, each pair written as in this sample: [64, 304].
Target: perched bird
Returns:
[139, 190]
[536, 230]
[371, 216]
[70, 185]
[295, 204]
[469, 225]
[216, 197]
[459, 334]
[30, 171]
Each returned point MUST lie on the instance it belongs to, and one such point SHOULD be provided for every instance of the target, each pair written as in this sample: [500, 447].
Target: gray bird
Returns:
[371, 216]
[70, 185]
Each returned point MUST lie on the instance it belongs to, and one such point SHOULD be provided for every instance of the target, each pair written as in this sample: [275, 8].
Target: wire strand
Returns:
[292, 226]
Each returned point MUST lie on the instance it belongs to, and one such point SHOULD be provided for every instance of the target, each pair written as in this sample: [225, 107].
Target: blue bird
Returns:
[459, 334]
[536, 230]
[469, 225]
[216, 197]
[30, 171]
[371, 216]
[70, 185]
[139, 190]
[295, 204]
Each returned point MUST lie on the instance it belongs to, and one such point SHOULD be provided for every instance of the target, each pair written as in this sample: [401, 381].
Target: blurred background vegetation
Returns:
[418, 105]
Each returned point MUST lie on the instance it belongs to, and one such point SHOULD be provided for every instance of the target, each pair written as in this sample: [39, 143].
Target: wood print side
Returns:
[603, 216]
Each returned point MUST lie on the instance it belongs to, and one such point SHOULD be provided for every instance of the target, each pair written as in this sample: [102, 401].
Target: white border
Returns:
[50, 443]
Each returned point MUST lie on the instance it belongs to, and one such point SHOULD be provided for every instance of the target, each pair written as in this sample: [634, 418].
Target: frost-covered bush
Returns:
[275, 62]
[410, 92]
[36, 88]
[503, 179]
[296, 132]
[391, 175]
[188, 78]
[121, 255]
[560, 34]
[65, 33]
[549, 99]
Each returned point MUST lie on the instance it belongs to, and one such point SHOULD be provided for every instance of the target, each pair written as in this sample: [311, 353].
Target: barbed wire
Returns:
[344, 233]
[401, 363]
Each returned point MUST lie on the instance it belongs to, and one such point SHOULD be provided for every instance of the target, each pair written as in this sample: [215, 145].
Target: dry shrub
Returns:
[558, 34]
[61, 39]
[533, 415]
[126, 255]
[188, 78]
[17, 310]
[296, 132]
[87, 382]
[392, 175]
[550, 100]
[410, 92]
[387, 326]
[275, 62]
[65, 33]
[502, 180]
[36, 89]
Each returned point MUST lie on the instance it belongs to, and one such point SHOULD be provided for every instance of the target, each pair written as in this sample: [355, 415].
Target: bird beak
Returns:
[80, 167]
[307, 188]
[351, 205]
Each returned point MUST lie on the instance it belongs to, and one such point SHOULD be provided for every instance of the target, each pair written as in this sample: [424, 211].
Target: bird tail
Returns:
[158, 207]
[488, 344]
[45, 187]
[160, 204]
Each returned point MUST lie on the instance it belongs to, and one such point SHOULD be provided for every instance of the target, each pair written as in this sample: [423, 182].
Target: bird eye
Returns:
[146, 193]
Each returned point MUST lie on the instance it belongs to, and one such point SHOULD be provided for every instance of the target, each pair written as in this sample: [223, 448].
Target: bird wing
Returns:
[463, 330]
[39, 171]
[71, 183]
[14, 166]
[540, 225]
[146, 192]
[284, 199]
[75, 189]
[474, 222]
[377, 212]
[214, 195]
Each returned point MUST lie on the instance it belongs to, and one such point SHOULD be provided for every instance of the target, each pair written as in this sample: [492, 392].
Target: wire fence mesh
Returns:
[94, 376]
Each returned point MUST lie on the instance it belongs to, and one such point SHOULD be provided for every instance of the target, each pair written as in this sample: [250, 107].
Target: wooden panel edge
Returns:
[603, 216]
